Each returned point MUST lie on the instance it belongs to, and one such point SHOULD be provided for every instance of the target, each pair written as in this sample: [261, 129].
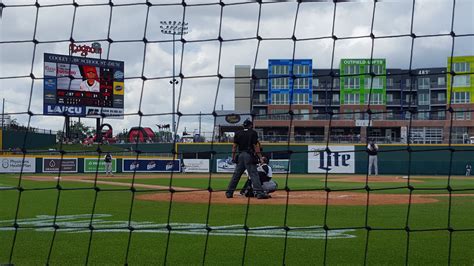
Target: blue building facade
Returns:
[290, 81]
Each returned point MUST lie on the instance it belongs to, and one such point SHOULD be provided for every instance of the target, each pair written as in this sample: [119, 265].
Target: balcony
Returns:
[325, 102]
[394, 102]
[440, 87]
[259, 102]
[351, 117]
[438, 102]
[393, 88]
[260, 88]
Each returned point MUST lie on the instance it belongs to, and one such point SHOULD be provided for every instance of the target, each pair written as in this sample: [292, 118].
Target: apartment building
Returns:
[360, 99]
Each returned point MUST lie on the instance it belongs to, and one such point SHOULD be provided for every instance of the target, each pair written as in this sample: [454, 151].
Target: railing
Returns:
[325, 102]
[257, 101]
[394, 102]
[436, 101]
[31, 129]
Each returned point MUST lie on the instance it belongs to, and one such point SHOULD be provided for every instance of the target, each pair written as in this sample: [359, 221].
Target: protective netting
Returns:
[141, 115]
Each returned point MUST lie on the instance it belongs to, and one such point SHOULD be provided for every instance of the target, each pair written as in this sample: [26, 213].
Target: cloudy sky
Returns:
[203, 55]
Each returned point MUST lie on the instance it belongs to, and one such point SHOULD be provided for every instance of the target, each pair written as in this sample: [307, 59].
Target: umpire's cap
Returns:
[247, 123]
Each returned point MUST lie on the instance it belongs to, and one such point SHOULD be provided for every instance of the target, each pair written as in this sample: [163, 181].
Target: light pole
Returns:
[3, 112]
[174, 28]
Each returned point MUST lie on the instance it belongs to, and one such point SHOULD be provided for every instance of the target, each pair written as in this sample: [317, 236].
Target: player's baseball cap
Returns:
[247, 123]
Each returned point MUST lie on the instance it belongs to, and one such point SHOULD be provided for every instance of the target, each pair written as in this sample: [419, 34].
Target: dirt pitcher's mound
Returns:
[295, 198]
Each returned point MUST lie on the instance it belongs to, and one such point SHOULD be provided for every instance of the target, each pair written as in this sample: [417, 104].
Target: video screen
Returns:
[83, 87]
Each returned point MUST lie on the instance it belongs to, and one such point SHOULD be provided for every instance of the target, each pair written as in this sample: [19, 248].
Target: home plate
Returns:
[57, 177]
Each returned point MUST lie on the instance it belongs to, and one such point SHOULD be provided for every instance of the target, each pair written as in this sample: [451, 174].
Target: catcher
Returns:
[265, 174]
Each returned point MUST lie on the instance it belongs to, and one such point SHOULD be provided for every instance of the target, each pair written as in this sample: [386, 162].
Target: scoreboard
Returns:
[83, 87]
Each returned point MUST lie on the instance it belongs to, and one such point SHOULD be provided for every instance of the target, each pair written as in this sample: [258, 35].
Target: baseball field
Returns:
[341, 219]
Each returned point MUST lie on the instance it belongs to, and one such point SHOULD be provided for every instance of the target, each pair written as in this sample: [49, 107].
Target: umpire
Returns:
[247, 142]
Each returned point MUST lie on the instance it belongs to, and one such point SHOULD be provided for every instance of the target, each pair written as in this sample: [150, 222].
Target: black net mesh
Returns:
[137, 39]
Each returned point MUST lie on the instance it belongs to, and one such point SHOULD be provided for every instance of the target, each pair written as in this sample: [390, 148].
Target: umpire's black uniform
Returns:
[246, 140]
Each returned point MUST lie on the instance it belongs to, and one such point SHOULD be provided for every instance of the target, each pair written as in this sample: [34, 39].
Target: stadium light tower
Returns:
[174, 28]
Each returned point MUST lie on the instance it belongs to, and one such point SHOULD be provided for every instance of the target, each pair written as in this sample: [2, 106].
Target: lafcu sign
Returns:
[339, 159]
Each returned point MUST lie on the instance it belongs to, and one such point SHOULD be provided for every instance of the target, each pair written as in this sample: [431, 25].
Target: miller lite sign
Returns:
[339, 159]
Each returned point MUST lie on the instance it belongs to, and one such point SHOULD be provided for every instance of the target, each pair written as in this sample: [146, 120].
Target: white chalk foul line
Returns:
[79, 224]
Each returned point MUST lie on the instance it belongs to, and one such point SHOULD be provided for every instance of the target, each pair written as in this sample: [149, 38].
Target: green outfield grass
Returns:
[112, 208]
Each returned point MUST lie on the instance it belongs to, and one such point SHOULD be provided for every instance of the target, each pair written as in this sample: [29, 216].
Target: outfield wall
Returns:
[14, 139]
[298, 159]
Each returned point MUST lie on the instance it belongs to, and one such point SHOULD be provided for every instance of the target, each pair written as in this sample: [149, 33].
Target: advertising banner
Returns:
[195, 165]
[90, 165]
[53, 165]
[280, 166]
[225, 165]
[340, 159]
[14, 165]
[151, 165]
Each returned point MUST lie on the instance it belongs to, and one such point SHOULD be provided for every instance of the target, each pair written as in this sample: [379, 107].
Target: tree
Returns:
[80, 130]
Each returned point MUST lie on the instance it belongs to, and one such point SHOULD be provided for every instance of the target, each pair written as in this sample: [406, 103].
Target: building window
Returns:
[280, 83]
[389, 98]
[441, 97]
[335, 98]
[352, 83]
[300, 98]
[335, 83]
[315, 82]
[377, 83]
[408, 83]
[262, 83]
[390, 82]
[423, 83]
[303, 114]
[460, 97]
[461, 67]
[301, 69]
[426, 135]
[423, 99]
[441, 115]
[279, 114]
[377, 69]
[352, 98]
[315, 97]
[301, 83]
[423, 115]
[459, 114]
[461, 81]
[351, 69]
[375, 98]
[441, 81]
[357, 114]
[280, 98]
[280, 70]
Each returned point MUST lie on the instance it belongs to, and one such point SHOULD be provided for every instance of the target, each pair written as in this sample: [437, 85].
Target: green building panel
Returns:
[460, 82]
[355, 81]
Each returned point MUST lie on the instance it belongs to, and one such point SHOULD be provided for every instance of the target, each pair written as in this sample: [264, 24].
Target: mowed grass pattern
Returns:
[387, 239]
